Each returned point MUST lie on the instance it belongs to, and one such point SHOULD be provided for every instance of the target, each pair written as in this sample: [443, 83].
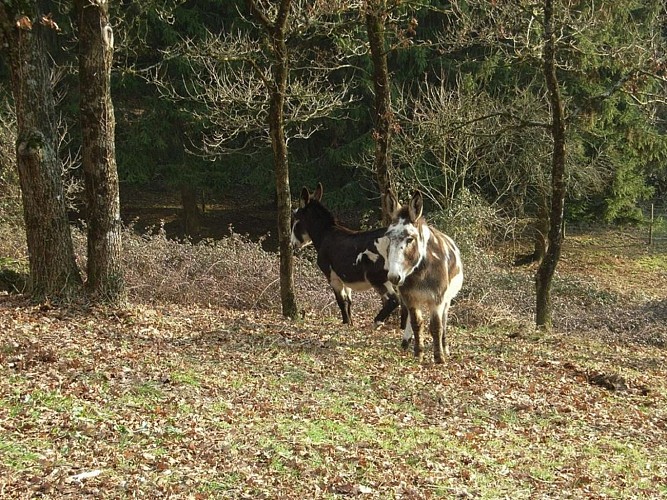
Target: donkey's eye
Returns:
[409, 240]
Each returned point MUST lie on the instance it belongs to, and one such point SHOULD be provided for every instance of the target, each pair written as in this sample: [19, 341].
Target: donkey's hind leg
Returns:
[437, 327]
[345, 304]
[343, 297]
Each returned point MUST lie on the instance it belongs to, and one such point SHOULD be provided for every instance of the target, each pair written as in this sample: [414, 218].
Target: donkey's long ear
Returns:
[416, 206]
[317, 195]
[391, 202]
[305, 197]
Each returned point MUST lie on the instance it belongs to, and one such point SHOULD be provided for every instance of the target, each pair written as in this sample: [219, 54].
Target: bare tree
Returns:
[266, 84]
[105, 272]
[274, 30]
[53, 271]
[548, 38]
[547, 268]
[376, 12]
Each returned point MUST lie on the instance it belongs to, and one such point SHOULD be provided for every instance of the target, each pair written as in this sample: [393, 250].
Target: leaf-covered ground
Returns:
[174, 401]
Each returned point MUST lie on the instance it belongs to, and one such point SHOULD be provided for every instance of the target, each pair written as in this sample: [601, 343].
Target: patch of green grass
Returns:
[16, 455]
[296, 375]
[656, 262]
[189, 377]
[36, 401]
[583, 290]
[145, 393]
[223, 483]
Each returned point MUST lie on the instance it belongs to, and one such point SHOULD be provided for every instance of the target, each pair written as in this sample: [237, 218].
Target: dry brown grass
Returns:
[602, 289]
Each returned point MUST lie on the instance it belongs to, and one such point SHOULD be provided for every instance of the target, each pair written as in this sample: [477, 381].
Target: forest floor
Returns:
[217, 396]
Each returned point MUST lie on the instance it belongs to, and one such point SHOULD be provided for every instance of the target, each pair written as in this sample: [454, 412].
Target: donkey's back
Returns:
[354, 257]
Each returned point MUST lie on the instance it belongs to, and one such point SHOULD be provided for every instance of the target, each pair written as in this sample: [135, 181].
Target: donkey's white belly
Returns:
[358, 286]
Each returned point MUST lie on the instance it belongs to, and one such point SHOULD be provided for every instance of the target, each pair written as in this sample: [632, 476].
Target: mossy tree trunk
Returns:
[383, 115]
[547, 268]
[541, 229]
[54, 274]
[275, 31]
[105, 271]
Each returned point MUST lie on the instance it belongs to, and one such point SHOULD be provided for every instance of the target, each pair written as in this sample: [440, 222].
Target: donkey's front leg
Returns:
[389, 303]
[417, 324]
[445, 314]
[407, 331]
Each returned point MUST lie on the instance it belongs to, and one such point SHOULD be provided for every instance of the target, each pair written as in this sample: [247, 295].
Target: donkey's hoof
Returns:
[405, 344]
[378, 324]
[438, 360]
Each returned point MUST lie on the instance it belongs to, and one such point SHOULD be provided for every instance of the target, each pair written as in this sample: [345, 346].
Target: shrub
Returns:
[233, 272]
[10, 193]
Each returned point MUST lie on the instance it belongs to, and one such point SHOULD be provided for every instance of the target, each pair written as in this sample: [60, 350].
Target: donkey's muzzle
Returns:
[395, 279]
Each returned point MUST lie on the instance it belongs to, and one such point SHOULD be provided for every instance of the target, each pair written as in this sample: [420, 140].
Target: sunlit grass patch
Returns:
[225, 482]
[654, 262]
[19, 455]
[189, 377]
[145, 393]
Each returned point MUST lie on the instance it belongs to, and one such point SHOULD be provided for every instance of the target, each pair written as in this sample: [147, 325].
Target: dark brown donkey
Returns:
[350, 260]
[425, 265]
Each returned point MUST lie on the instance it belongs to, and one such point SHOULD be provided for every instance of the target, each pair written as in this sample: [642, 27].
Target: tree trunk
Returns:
[53, 271]
[277, 90]
[105, 271]
[191, 220]
[541, 229]
[383, 117]
[547, 268]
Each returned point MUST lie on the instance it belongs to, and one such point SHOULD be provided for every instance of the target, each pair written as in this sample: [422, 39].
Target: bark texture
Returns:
[105, 272]
[547, 268]
[383, 115]
[54, 274]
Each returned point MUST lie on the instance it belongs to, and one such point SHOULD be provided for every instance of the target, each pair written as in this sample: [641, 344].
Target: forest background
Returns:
[498, 112]
[469, 106]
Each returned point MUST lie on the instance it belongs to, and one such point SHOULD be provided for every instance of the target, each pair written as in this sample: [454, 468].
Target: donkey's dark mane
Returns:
[324, 213]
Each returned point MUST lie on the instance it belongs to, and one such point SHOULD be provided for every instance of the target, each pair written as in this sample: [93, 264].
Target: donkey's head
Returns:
[407, 237]
[300, 220]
